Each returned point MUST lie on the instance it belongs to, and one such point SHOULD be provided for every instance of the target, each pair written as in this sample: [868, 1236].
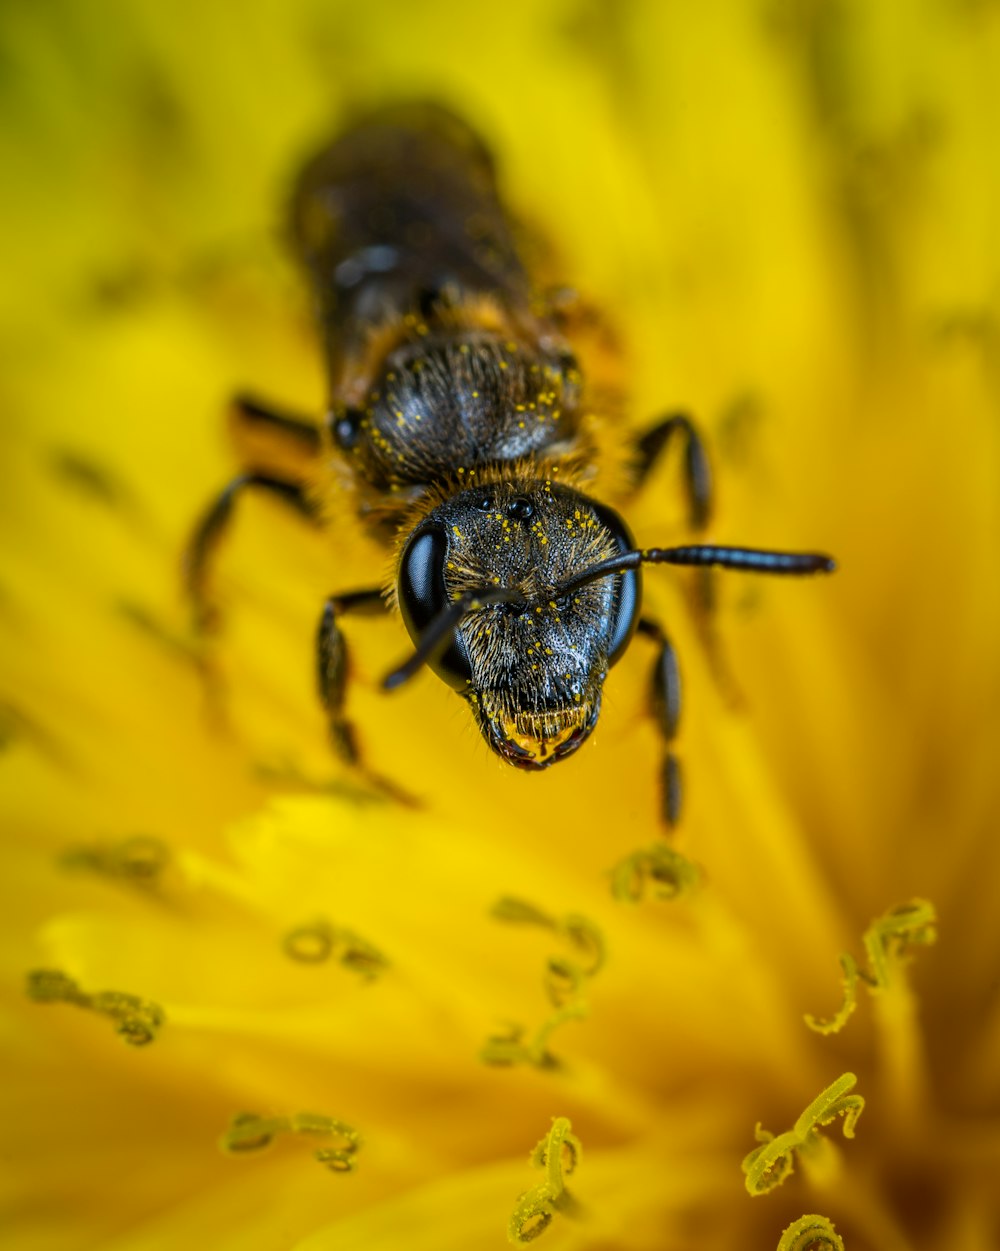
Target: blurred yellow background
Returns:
[788, 211]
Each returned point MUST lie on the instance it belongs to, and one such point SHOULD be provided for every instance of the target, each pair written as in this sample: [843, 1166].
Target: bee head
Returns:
[530, 661]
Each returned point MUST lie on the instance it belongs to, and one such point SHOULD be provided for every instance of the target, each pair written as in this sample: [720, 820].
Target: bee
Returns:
[463, 424]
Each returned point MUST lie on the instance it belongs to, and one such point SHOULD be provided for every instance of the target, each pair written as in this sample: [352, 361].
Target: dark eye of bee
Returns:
[422, 596]
[520, 509]
[624, 614]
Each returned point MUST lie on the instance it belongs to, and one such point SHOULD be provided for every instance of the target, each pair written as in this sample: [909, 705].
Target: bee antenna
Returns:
[749, 559]
[443, 626]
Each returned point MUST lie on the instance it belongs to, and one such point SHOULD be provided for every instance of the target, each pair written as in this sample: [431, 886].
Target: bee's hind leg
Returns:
[665, 708]
[273, 440]
[332, 665]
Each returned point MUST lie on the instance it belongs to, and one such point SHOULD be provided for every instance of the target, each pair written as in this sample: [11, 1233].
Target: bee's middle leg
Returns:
[651, 446]
[665, 708]
[213, 525]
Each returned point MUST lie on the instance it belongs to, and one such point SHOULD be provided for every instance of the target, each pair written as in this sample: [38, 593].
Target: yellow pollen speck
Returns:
[475, 395]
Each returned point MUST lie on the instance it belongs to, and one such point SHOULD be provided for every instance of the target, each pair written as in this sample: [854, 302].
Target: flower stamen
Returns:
[316, 941]
[768, 1165]
[558, 1153]
[658, 872]
[811, 1233]
[563, 980]
[887, 942]
[249, 1132]
[139, 860]
[137, 1020]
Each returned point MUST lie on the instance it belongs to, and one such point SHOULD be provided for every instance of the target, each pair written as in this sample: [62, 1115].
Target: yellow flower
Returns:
[789, 212]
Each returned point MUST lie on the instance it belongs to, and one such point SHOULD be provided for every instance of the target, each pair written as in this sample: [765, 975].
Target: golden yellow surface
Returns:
[789, 211]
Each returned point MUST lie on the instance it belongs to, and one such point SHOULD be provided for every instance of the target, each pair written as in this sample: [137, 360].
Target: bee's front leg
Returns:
[665, 708]
[332, 665]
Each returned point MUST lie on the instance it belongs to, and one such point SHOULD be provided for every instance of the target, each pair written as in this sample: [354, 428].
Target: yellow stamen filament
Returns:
[137, 1020]
[249, 1132]
[768, 1165]
[558, 1154]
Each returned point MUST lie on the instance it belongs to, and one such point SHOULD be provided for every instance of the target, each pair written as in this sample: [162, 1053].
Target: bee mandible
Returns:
[462, 422]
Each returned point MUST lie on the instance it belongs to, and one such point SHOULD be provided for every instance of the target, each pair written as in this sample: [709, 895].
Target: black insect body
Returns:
[464, 426]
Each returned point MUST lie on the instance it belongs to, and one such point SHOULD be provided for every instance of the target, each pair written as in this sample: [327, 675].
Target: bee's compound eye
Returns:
[624, 615]
[423, 595]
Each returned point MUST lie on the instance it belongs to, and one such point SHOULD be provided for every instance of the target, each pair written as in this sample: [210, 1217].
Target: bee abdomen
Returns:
[398, 209]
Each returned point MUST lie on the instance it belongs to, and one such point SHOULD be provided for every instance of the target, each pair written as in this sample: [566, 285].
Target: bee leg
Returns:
[648, 449]
[273, 441]
[665, 708]
[213, 525]
[332, 663]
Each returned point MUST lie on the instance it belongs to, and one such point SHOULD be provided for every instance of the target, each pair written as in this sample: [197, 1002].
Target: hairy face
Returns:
[532, 669]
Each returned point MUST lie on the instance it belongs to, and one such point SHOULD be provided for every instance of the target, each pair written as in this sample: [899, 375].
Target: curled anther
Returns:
[358, 955]
[579, 931]
[311, 943]
[137, 1020]
[506, 1048]
[587, 939]
[658, 872]
[811, 1233]
[887, 942]
[249, 1132]
[509, 908]
[513, 1047]
[768, 1165]
[140, 860]
[563, 980]
[317, 941]
[53, 986]
[891, 936]
[558, 1154]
